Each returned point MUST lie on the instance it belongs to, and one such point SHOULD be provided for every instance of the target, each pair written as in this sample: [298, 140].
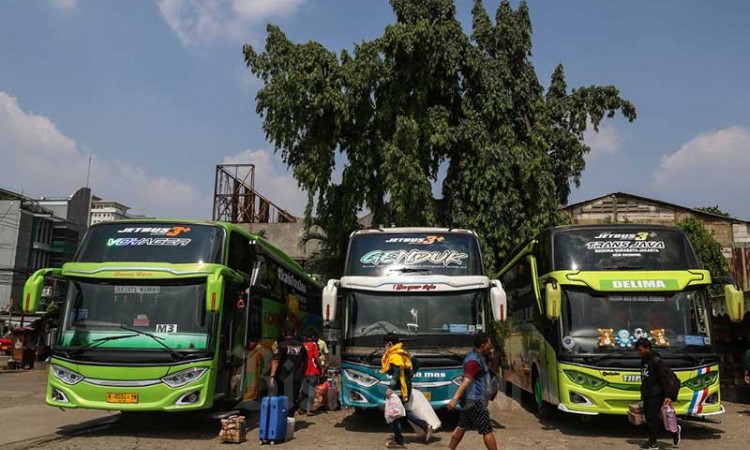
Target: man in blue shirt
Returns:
[475, 414]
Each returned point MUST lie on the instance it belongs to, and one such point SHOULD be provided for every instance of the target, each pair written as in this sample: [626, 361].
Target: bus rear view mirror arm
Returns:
[498, 301]
[552, 299]
[32, 290]
[330, 298]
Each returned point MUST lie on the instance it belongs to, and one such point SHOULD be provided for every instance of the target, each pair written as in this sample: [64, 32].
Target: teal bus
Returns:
[579, 297]
[427, 285]
[172, 315]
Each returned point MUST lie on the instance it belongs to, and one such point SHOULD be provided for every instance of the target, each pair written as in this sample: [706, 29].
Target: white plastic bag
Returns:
[421, 408]
[394, 409]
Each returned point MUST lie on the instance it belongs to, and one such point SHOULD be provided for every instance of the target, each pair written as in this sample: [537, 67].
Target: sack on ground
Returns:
[332, 399]
[423, 410]
[394, 409]
[233, 429]
[321, 397]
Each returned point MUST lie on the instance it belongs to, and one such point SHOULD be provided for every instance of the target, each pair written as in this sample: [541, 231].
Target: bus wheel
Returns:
[542, 408]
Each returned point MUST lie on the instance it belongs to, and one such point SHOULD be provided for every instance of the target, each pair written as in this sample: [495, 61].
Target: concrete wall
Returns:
[285, 236]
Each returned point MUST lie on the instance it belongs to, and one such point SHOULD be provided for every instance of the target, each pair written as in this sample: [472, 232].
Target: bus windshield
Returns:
[173, 312]
[623, 249]
[384, 254]
[596, 322]
[448, 318]
[152, 242]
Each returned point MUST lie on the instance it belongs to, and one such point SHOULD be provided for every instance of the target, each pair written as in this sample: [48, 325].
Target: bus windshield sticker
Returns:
[166, 328]
[414, 257]
[625, 244]
[156, 231]
[141, 320]
[568, 342]
[637, 298]
[694, 340]
[165, 242]
[137, 289]
[461, 328]
[427, 240]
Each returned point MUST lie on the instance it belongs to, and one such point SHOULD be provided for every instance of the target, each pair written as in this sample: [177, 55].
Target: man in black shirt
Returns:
[288, 368]
[653, 376]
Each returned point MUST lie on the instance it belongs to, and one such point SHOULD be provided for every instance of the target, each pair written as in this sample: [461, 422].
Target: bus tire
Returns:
[542, 407]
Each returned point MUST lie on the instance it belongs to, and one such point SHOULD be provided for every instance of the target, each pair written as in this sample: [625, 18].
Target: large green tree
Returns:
[706, 247]
[421, 97]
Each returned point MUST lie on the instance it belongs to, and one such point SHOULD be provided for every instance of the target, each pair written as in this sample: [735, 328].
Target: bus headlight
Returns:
[67, 376]
[702, 381]
[184, 377]
[585, 380]
[360, 378]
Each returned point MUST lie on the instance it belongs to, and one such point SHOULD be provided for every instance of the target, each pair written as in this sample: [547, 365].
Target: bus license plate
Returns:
[121, 398]
[427, 395]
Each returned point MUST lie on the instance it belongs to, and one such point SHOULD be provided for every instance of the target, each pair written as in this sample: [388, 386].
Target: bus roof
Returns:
[400, 230]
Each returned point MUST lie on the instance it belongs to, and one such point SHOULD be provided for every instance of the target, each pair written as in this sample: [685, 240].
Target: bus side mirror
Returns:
[214, 292]
[498, 301]
[552, 298]
[330, 297]
[735, 302]
[32, 290]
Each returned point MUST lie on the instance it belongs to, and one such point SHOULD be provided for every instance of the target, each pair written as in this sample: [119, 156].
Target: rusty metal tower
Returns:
[237, 201]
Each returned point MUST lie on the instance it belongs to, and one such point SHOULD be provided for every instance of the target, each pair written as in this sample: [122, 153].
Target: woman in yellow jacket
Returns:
[397, 363]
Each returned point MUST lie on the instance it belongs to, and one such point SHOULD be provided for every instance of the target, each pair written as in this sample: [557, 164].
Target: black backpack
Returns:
[670, 382]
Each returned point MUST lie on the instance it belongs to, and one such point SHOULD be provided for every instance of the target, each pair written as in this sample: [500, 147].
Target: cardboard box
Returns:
[636, 419]
[636, 408]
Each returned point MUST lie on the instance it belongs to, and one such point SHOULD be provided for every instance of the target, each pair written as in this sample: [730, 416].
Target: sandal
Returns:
[393, 444]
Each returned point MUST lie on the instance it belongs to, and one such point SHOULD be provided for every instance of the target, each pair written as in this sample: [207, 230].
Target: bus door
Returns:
[234, 328]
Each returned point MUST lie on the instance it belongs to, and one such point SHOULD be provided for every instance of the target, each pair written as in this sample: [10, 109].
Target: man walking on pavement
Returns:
[475, 414]
[288, 368]
[653, 392]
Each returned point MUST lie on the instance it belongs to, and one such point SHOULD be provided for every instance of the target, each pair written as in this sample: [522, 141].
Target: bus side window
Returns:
[240, 258]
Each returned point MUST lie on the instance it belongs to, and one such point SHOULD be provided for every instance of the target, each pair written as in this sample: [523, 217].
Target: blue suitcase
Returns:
[273, 411]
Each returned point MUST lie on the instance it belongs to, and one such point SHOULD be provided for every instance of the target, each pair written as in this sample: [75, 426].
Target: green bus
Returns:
[578, 298]
[166, 315]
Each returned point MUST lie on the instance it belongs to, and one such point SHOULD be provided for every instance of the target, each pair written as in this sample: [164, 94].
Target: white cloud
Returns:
[710, 169]
[276, 185]
[606, 142]
[202, 21]
[65, 5]
[40, 160]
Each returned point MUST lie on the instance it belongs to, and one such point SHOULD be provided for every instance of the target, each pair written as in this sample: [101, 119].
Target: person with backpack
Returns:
[397, 363]
[288, 368]
[659, 387]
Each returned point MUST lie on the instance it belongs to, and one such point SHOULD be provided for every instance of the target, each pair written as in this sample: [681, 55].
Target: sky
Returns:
[156, 94]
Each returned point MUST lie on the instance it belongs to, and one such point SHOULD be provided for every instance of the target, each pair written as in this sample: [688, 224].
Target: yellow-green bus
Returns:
[165, 315]
[579, 297]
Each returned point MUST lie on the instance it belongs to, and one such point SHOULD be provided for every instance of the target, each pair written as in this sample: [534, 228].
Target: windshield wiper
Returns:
[98, 342]
[410, 270]
[442, 350]
[615, 352]
[622, 267]
[156, 338]
[681, 354]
